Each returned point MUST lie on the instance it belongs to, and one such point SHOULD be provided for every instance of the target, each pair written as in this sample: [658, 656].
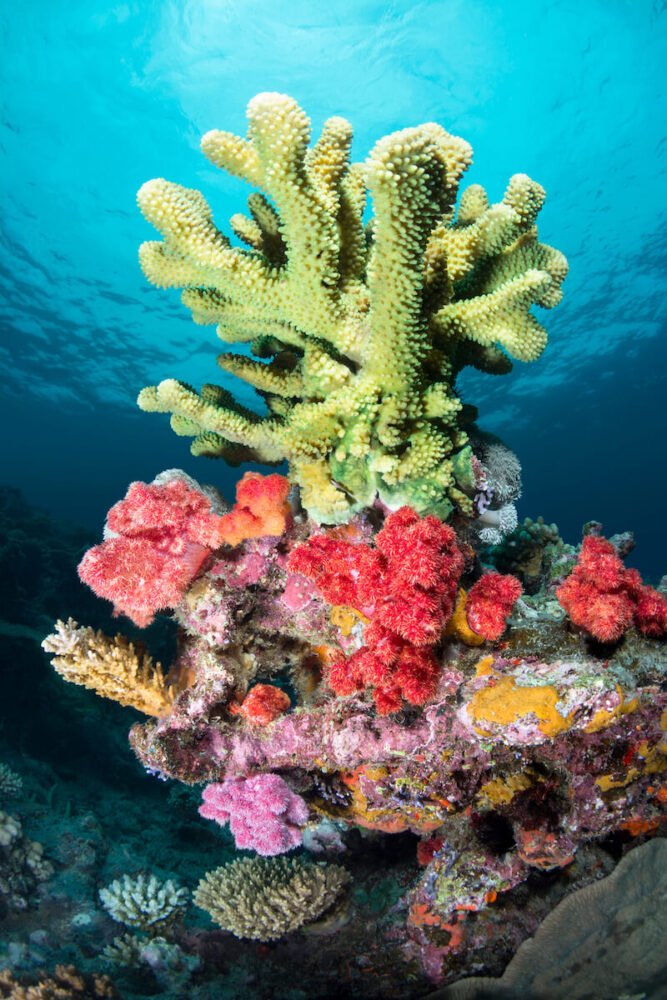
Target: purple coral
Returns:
[263, 813]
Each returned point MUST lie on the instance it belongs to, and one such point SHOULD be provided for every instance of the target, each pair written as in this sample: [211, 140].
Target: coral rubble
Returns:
[372, 643]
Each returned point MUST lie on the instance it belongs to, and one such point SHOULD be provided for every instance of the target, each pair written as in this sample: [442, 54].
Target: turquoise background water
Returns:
[99, 97]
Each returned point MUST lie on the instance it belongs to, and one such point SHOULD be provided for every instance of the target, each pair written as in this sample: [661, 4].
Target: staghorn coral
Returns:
[263, 813]
[364, 341]
[65, 983]
[265, 899]
[113, 668]
[145, 903]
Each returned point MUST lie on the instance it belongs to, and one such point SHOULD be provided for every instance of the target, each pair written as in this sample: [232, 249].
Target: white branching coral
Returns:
[11, 783]
[145, 903]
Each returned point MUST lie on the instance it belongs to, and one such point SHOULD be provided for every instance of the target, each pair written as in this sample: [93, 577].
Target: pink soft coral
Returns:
[406, 586]
[263, 813]
[603, 597]
[489, 603]
[162, 533]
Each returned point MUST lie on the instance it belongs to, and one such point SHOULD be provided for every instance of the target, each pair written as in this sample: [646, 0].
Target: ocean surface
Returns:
[98, 97]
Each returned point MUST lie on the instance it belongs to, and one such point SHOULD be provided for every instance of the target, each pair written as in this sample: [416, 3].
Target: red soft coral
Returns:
[406, 586]
[263, 704]
[604, 598]
[164, 532]
[489, 603]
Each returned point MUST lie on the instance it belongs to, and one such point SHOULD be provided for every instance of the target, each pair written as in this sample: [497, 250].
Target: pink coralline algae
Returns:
[605, 599]
[263, 813]
[159, 536]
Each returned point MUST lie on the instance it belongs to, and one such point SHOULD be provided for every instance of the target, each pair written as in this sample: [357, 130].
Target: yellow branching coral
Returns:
[358, 335]
[266, 898]
[113, 668]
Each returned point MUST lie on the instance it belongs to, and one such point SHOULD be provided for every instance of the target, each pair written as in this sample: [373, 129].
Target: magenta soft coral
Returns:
[162, 533]
[406, 586]
[263, 812]
[603, 597]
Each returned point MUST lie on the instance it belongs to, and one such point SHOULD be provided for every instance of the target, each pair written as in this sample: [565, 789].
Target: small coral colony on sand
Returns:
[372, 639]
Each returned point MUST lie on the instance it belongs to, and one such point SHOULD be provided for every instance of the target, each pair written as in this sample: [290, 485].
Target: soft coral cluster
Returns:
[159, 536]
[605, 598]
[489, 603]
[263, 812]
[406, 586]
[261, 508]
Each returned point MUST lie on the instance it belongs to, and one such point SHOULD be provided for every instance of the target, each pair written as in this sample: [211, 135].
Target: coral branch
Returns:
[365, 342]
[112, 668]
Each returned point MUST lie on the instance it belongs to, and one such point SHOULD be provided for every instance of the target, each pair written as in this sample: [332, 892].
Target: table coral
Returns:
[364, 338]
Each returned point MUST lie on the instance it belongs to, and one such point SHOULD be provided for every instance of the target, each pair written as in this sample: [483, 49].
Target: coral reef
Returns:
[371, 649]
[364, 338]
[265, 898]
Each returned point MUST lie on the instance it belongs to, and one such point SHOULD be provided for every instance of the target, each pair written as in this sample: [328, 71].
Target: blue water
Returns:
[99, 97]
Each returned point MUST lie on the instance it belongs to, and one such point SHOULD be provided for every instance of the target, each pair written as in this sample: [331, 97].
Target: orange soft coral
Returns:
[261, 508]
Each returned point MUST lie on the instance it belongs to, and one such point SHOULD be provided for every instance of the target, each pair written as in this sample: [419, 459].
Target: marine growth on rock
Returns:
[371, 642]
